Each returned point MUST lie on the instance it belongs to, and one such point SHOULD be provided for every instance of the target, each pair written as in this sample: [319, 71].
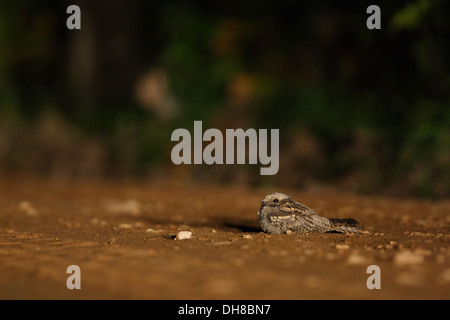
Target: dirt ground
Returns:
[121, 235]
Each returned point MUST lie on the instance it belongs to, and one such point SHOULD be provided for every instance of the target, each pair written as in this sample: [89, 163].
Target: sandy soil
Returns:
[121, 235]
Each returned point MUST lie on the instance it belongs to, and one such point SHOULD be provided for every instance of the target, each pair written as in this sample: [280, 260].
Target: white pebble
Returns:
[182, 235]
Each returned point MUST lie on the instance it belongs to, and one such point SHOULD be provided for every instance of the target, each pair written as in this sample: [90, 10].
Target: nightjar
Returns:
[281, 214]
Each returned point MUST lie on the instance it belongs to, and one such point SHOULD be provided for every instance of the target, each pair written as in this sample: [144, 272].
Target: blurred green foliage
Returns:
[365, 109]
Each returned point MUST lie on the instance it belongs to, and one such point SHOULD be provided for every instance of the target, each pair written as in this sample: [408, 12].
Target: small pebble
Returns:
[182, 235]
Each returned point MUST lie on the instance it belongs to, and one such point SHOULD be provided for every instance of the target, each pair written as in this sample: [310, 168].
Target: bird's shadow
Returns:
[230, 224]
[242, 227]
[223, 223]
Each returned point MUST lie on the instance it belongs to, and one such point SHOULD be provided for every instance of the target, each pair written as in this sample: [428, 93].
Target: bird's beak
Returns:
[262, 201]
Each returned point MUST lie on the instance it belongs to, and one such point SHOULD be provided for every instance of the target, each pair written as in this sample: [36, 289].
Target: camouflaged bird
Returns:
[281, 214]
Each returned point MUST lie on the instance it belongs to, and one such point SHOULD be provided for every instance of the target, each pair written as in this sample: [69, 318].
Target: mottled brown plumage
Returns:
[281, 214]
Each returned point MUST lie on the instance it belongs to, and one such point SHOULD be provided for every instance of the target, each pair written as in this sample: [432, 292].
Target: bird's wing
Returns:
[301, 219]
[301, 223]
[297, 208]
[310, 223]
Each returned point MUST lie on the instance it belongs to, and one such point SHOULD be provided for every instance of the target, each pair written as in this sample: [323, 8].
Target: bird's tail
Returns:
[344, 225]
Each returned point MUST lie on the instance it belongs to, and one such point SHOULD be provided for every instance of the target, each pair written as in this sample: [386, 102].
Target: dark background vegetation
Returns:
[361, 109]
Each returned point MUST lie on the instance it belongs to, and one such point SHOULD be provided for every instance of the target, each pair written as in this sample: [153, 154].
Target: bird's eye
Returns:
[276, 200]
